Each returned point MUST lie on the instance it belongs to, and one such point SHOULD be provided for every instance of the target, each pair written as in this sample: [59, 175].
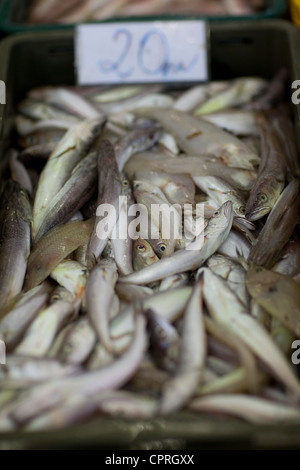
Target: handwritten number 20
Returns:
[164, 65]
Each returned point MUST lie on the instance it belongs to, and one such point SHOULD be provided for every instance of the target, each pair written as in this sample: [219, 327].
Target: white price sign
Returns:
[141, 52]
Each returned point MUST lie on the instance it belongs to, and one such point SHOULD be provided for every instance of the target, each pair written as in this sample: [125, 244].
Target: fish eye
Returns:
[55, 297]
[125, 183]
[162, 247]
[141, 247]
[136, 185]
[272, 289]
[216, 213]
[242, 209]
[262, 197]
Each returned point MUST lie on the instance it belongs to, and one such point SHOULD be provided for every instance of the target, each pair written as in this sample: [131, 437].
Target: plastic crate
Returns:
[237, 49]
[13, 15]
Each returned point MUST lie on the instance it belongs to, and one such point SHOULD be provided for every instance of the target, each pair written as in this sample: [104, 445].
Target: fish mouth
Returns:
[258, 213]
[245, 222]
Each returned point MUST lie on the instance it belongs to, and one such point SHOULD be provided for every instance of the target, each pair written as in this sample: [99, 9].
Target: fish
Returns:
[282, 123]
[255, 410]
[100, 295]
[278, 228]
[178, 189]
[233, 273]
[68, 100]
[72, 276]
[227, 310]
[76, 191]
[14, 324]
[19, 172]
[78, 343]
[191, 165]
[42, 331]
[191, 358]
[289, 262]
[45, 396]
[121, 242]
[239, 122]
[143, 254]
[69, 151]
[277, 294]
[21, 371]
[135, 141]
[164, 218]
[214, 234]
[191, 98]
[109, 192]
[39, 110]
[199, 137]
[53, 247]
[271, 176]
[220, 191]
[15, 240]
[164, 341]
[239, 93]
[235, 246]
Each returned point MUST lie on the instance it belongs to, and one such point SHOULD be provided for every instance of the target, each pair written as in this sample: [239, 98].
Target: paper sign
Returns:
[141, 52]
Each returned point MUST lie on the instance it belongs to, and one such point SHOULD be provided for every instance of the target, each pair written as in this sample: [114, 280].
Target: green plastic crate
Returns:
[13, 16]
[46, 58]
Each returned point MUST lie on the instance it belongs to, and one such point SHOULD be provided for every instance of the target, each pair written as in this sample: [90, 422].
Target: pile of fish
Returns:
[95, 323]
[73, 11]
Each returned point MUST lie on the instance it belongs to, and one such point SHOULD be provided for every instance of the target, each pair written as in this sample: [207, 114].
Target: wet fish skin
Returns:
[122, 244]
[76, 191]
[24, 371]
[16, 321]
[135, 141]
[191, 358]
[271, 175]
[78, 344]
[72, 276]
[19, 172]
[100, 297]
[69, 151]
[164, 341]
[53, 247]
[233, 273]
[40, 335]
[15, 239]
[199, 165]
[198, 137]
[143, 254]
[179, 189]
[289, 262]
[278, 294]
[227, 310]
[278, 228]
[185, 260]
[253, 409]
[109, 192]
[238, 93]
[44, 397]
[220, 191]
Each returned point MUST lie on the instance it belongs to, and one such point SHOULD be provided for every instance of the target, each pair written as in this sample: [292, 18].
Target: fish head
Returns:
[140, 187]
[221, 219]
[239, 209]
[143, 254]
[263, 198]
[125, 186]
